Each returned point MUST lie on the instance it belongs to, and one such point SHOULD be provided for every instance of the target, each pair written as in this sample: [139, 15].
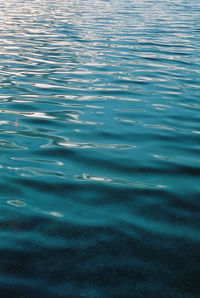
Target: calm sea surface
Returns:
[100, 148]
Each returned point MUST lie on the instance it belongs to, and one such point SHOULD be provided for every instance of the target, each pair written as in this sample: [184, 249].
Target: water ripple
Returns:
[99, 144]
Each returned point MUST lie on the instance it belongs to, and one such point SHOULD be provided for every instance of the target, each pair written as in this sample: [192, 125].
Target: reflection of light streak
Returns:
[16, 122]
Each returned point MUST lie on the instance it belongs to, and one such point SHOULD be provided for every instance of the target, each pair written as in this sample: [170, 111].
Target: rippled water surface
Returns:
[100, 148]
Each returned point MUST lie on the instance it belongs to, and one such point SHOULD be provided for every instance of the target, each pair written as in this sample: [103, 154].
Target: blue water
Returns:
[100, 148]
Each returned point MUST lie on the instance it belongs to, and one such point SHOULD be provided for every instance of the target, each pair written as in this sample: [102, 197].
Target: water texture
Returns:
[100, 148]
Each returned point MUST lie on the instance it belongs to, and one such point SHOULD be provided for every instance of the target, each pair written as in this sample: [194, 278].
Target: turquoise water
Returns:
[99, 146]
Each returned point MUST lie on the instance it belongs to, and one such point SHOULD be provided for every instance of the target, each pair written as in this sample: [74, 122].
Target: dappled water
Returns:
[100, 148]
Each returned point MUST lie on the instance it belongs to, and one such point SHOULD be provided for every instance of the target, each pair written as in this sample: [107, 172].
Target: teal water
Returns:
[100, 148]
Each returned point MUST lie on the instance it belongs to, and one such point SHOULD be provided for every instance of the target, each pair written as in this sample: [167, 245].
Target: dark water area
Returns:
[100, 148]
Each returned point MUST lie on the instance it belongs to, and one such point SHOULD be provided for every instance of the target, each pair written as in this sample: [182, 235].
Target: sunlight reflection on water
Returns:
[99, 144]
